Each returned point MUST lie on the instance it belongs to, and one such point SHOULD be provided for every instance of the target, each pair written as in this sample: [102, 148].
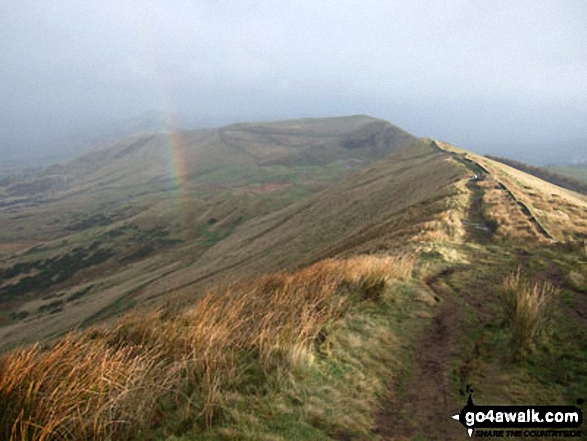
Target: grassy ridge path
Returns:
[483, 173]
[422, 404]
[422, 401]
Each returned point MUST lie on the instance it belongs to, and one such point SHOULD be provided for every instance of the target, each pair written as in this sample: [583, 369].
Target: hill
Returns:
[192, 154]
[98, 231]
[362, 310]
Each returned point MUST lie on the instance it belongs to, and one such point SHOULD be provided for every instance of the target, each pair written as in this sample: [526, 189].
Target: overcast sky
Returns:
[473, 72]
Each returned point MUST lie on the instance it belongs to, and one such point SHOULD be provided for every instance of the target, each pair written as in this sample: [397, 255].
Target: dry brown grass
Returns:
[80, 389]
[115, 383]
[561, 212]
[511, 223]
[528, 308]
[447, 225]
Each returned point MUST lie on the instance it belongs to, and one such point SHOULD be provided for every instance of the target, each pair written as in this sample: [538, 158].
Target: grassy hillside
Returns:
[412, 291]
[192, 169]
[522, 205]
[88, 239]
[362, 311]
[370, 205]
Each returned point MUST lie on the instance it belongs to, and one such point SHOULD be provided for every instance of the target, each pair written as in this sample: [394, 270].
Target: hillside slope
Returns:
[521, 204]
[370, 208]
[85, 240]
[140, 171]
[366, 311]
[378, 206]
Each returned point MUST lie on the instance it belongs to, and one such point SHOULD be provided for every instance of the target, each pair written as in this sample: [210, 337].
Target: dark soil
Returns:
[425, 405]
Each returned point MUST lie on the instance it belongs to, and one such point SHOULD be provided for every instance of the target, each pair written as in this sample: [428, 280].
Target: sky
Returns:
[483, 74]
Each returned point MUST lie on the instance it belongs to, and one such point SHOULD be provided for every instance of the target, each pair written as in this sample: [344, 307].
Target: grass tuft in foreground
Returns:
[528, 310]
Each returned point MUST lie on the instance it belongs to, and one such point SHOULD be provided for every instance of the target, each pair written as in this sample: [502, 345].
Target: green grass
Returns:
[515, 362]
[122, 304]
[332, 394]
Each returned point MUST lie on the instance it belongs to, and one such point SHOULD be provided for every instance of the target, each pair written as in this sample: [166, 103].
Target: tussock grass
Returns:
[447, 225]
[79, 390]
[121, 382]
[528, 307]
[558, 210]
[504, 214]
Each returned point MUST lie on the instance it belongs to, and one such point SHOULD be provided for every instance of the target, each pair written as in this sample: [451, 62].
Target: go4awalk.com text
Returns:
[520, 421]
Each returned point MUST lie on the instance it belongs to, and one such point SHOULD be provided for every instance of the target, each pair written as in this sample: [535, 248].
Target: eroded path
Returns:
[421, 404]
[422, 401]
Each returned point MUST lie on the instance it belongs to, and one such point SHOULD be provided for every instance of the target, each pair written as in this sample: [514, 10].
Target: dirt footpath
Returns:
[421, 405]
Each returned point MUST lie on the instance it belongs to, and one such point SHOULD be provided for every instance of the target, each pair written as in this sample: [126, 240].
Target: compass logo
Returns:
[515, 418]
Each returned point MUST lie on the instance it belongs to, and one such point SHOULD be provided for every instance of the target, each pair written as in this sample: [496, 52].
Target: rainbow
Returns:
[177, 164]
[177, 170]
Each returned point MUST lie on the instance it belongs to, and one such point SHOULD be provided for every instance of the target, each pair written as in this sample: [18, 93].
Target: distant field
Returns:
[577, 172]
